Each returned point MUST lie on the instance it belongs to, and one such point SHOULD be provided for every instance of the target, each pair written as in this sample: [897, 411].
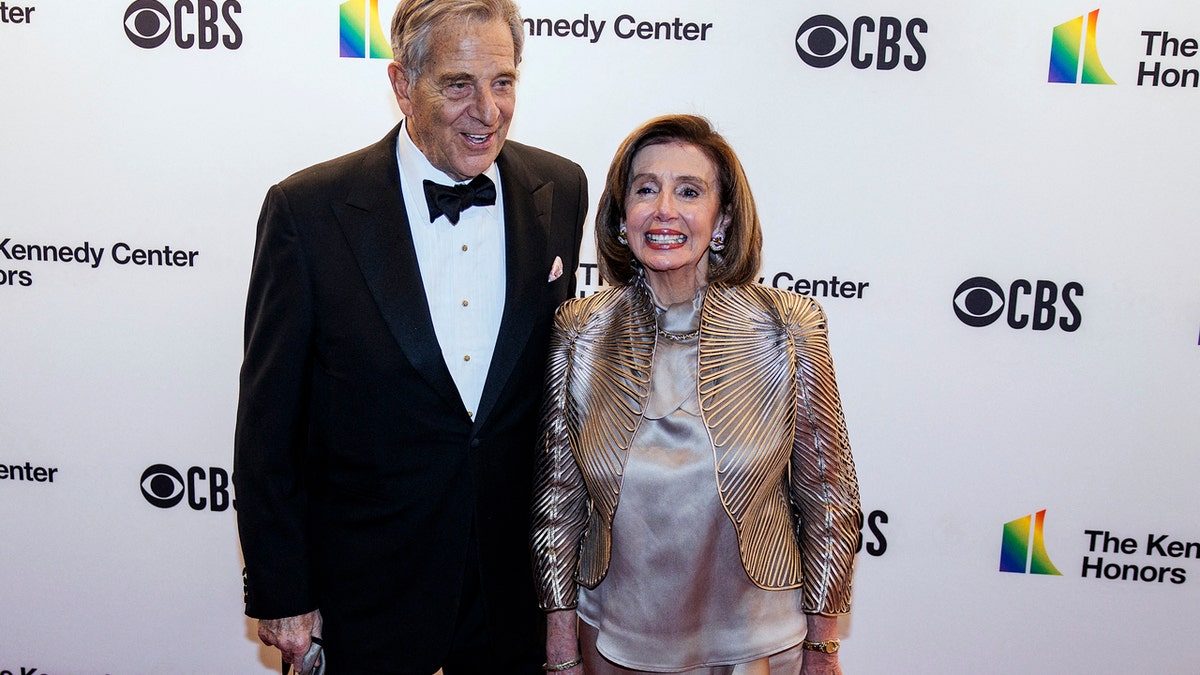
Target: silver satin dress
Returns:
[677, 597]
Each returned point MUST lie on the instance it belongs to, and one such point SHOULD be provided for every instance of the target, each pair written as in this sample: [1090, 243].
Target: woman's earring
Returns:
[621, 238]
[718, 243]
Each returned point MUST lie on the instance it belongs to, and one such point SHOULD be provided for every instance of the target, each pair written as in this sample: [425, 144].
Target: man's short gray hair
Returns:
[416, 20]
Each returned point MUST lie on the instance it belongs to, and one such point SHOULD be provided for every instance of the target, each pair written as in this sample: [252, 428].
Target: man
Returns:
[396, 335]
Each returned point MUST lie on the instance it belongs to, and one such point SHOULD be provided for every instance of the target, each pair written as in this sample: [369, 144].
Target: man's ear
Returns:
[400, 87]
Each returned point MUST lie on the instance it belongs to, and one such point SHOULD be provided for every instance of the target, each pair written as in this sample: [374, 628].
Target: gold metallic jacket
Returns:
[770, 402]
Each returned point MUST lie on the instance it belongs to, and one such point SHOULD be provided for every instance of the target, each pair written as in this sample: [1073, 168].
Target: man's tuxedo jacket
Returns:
[360, 476]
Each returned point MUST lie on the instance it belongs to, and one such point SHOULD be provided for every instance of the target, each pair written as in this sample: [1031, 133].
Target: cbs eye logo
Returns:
[193, 23]
[980, 302]
[205, 489]
[823, 40]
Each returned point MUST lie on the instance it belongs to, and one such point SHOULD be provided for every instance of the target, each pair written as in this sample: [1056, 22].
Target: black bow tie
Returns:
[452, 200]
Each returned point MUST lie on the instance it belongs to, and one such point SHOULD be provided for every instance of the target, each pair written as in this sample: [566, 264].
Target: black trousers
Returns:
[471, 649]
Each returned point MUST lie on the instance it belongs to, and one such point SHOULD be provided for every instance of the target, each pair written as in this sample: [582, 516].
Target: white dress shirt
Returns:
[462, 268]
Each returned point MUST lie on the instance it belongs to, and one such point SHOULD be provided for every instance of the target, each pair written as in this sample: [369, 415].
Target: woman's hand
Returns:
[562, 640]
[820, 629]
[816, 663]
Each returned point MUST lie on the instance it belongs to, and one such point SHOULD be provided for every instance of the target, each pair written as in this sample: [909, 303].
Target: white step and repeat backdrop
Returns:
[996, 203]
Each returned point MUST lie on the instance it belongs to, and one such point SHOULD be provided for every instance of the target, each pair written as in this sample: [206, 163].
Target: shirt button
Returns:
[465, 303]
[464, 247]
[467, 357]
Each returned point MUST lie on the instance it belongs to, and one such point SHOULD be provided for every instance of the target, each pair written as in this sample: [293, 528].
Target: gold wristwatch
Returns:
[825, 646]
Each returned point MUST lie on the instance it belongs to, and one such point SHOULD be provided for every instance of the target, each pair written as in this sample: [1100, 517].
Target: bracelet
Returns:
[565, 665]
[824, 646]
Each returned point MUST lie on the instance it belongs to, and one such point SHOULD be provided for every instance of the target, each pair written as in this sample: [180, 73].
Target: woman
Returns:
[696, 505]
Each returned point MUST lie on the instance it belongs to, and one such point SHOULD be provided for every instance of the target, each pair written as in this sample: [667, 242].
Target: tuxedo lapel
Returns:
[527, 207]
[376, 226]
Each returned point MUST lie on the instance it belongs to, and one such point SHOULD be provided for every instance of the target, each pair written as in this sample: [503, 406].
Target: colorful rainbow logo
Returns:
[1018, 554]
[1068, 41]
[361, 34]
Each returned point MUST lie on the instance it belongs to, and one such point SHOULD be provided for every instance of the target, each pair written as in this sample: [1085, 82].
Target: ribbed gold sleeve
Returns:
[597, 382]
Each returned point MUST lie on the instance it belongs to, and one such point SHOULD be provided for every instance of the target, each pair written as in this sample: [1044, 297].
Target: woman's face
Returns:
[672, 210]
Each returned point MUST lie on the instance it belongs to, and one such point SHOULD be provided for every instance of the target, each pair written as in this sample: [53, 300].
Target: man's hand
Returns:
[291, 635]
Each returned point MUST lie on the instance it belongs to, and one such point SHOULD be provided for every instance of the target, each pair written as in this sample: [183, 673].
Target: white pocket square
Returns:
[556, 269]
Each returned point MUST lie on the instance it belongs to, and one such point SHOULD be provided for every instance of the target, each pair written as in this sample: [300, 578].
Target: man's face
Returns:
[459, 109]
